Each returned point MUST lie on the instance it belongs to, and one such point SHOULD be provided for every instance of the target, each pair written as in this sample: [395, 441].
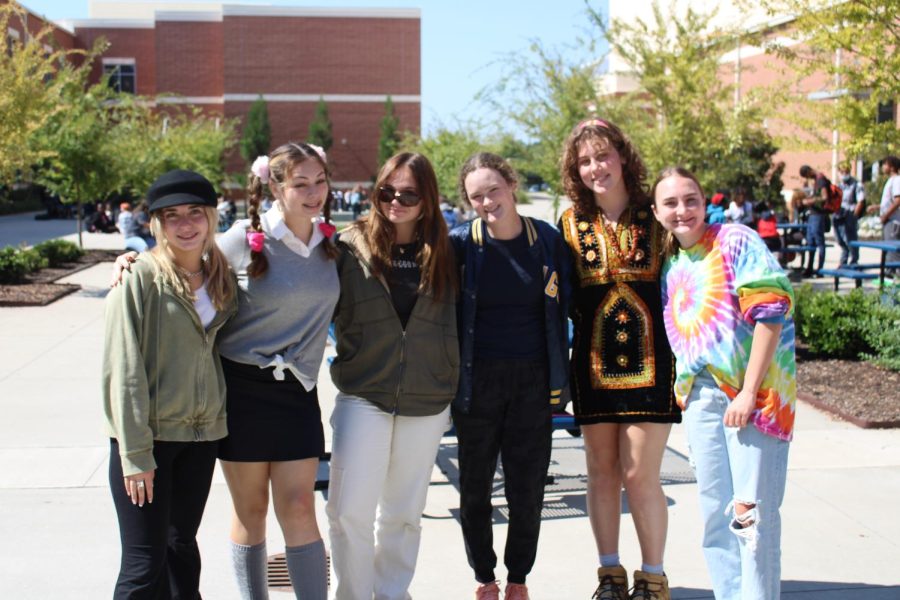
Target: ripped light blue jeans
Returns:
[736, 465]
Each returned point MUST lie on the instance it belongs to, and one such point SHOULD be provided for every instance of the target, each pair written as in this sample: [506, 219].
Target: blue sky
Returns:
[463, 41]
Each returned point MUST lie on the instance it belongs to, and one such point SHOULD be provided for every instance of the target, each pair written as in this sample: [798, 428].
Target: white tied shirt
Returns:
[273, 224]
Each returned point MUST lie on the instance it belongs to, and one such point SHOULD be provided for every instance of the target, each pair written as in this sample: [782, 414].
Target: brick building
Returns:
[749, 67]
[221, 57]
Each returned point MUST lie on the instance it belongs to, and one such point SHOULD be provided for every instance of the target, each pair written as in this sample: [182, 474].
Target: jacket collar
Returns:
[479, 231]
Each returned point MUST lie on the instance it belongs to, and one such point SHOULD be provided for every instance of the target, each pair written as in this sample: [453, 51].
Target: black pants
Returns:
[160, 557]
[510, 415]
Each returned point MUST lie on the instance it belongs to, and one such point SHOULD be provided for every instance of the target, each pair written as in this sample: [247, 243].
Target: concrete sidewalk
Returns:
[60, 538]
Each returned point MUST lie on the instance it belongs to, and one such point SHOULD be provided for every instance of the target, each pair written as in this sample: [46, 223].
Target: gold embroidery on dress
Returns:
[621, 318]
[597, 263]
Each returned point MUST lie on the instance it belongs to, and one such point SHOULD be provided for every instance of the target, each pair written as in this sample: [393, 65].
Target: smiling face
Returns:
[304, 190]
[680, 208]
[186, 228]
[401, 180]
[491, 196]
[600, 167]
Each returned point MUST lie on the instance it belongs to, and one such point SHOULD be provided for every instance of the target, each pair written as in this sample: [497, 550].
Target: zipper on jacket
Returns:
[400, 377]
[201, 383]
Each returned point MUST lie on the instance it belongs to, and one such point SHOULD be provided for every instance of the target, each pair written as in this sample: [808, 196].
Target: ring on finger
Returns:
[140, 484]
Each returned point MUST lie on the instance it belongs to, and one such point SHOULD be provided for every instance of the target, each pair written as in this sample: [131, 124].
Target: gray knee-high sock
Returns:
[308, 570]
[250, 569]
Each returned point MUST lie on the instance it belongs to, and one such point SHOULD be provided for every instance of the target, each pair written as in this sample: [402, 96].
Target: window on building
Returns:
[122, 76]
[12, 36]
[885, 113]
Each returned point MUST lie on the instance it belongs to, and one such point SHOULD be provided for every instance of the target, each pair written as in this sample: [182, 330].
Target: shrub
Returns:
[837, 325]
[884, 333]
[16, 263]
[58, 252]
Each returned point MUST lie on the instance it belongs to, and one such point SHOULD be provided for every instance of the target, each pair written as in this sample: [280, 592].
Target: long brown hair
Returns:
[671, 246]
[219, 281]
[281, 163]
[434, 256]
[634, 173]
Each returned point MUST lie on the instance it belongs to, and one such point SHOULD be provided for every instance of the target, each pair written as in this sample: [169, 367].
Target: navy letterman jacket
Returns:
[547, 245]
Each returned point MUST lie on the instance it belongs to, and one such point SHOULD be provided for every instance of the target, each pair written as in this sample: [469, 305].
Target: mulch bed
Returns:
[40, 288]
[855, 391]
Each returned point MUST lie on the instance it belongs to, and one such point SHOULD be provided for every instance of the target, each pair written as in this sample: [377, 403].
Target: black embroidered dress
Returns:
[622, 367]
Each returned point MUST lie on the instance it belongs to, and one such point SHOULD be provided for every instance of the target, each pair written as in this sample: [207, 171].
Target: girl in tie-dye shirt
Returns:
[727, 307]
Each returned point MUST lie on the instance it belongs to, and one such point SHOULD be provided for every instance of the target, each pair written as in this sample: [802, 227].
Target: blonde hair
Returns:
[219, 281]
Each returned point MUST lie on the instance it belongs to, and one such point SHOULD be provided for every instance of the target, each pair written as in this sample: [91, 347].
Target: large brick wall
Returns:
[189, 58]
[136, 43]
[303, 55]
[353, 60]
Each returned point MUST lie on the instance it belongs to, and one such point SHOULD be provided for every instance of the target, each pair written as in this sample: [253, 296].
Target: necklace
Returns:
[192, 275]
[613, 240]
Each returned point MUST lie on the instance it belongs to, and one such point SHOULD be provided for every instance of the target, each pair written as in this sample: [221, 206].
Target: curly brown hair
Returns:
[597, 131]
[435, 257]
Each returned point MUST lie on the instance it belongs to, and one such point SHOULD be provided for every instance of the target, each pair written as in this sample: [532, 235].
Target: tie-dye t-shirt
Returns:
[713, 295]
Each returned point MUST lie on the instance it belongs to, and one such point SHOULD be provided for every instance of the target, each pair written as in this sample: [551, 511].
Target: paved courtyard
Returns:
[60, 540]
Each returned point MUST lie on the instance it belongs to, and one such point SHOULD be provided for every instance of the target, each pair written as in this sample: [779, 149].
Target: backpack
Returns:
[835, 197]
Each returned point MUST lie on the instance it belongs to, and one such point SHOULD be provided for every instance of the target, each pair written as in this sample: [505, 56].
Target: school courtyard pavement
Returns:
[59, 536]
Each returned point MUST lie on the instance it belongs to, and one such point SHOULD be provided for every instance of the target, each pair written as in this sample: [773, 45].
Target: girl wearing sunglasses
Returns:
[396, 371]
[514, 332]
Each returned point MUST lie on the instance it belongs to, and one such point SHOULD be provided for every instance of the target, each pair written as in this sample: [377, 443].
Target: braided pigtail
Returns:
[259, 264]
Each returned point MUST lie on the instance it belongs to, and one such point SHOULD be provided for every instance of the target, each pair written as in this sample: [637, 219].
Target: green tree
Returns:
[389, 139]
[257, 134]
[544, 93]
[146, 144]
[83, 165]
[856, 44]
[32, 81]
[320, 132]
[684, 112]
[447, 150]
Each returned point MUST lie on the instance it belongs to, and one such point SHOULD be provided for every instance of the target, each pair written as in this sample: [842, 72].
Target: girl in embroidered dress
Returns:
[727, 308]
[622, 366]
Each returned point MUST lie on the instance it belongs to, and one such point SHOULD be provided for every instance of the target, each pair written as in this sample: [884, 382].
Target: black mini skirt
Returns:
[269, 420]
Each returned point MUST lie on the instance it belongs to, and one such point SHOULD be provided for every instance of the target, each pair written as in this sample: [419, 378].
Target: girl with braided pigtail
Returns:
[271, 357]
[271, 353]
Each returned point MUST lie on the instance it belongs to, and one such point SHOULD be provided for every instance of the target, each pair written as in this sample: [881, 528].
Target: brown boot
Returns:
[648, 586]
[613, 584]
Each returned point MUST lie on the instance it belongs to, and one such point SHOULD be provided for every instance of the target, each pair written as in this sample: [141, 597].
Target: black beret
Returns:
[181, 187]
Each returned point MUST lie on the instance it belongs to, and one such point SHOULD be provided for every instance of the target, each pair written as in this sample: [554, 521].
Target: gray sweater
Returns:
[286, 311]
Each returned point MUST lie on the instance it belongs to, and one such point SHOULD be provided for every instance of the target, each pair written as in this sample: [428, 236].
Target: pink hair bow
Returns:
[320, 151]
[327, 229]
[260, 168]
[256, 240]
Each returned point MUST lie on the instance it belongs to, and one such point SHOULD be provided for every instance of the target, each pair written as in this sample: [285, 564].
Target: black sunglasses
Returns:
[387, 194]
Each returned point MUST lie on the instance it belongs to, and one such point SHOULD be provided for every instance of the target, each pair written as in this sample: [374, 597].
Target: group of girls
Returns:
[670, 315]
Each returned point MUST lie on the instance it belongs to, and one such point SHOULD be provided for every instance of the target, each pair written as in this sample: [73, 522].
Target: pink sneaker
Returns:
[516, 591]
[488, 591]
